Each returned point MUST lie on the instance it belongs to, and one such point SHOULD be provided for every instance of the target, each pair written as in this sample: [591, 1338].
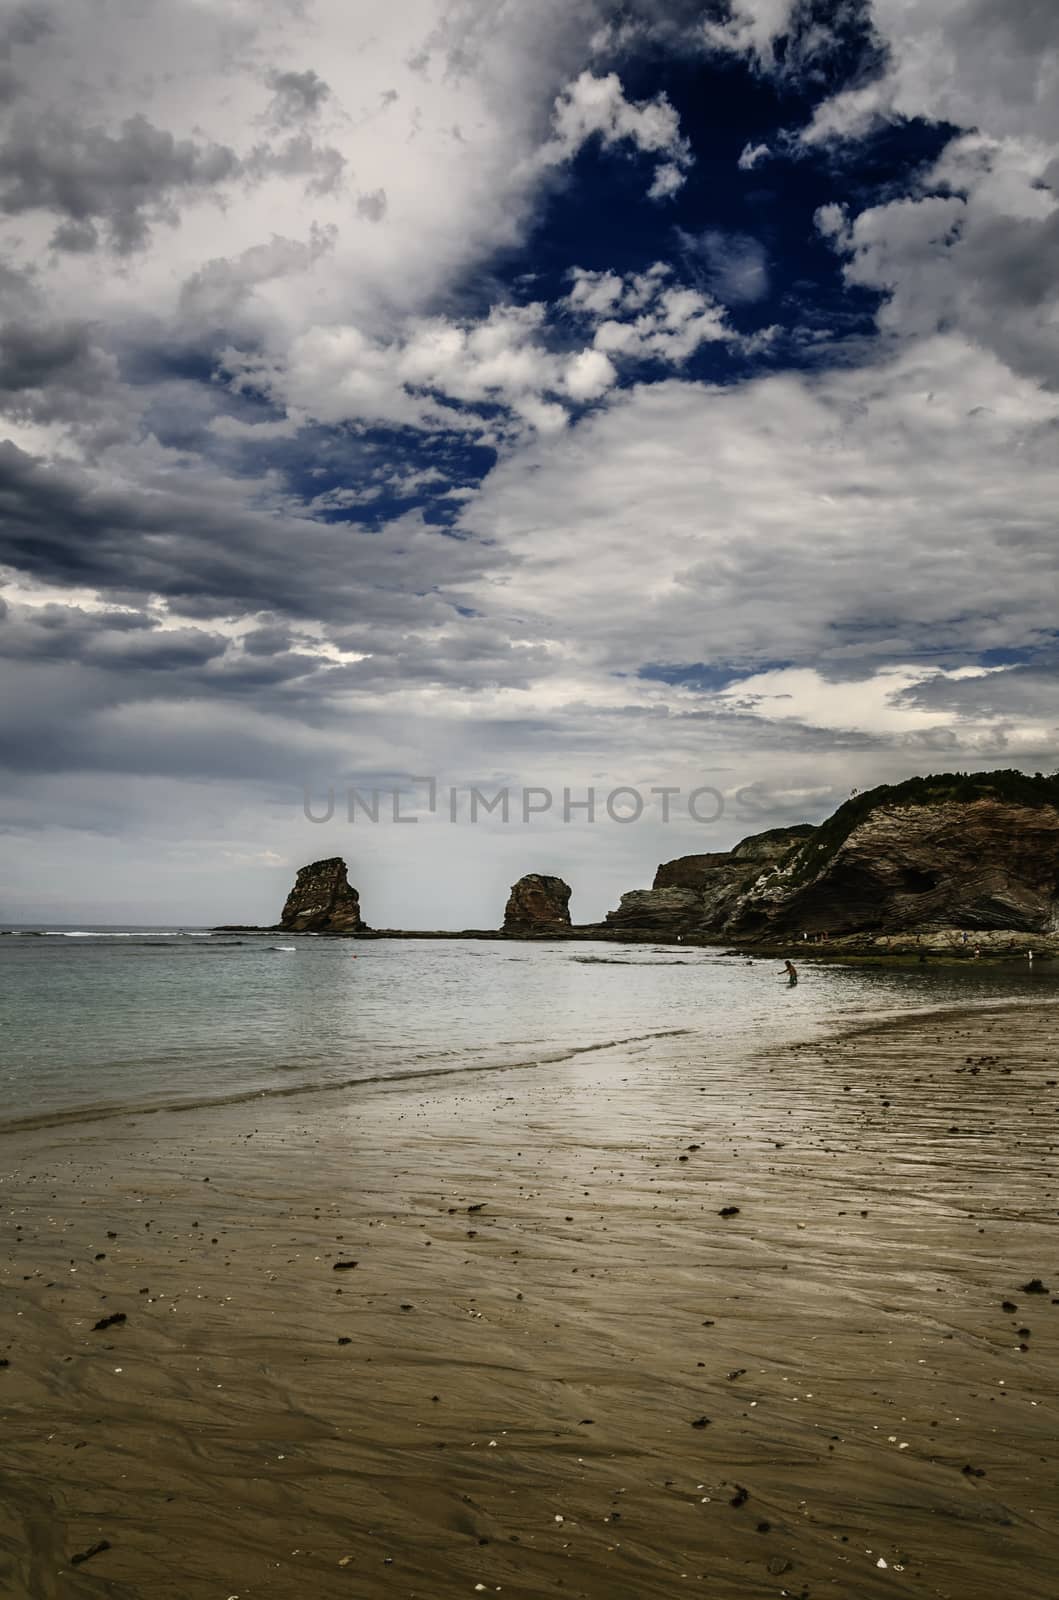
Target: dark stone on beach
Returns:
[4, 1362]
[407, 1306]
[778, 1564]
[740, 1497]
[737, 1372]
[114, 1321]
[479, 1207]
[701, 1422]
[1008, 1305]
[86, 1555]
[343, 1266]
[728, 1211]
[973, 1472]
[1035, 1286]
[345, 1339]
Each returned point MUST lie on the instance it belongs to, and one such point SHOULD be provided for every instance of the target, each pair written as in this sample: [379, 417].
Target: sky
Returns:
[530, 398]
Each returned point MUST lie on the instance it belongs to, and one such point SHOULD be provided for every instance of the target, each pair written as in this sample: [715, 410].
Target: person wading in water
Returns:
[792, 973]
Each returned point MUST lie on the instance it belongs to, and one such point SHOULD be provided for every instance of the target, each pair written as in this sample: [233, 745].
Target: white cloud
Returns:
[436, 117]
[885, 512]
[428, 375]
[437, 370]
[589, 375]
[751, 28]
[879, 703]
[978, 63]
[596, 107]
[752, 155]
[668, 180]
[647, 315]
[978, 251]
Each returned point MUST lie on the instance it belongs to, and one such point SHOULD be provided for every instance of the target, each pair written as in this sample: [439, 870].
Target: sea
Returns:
[96, 1020]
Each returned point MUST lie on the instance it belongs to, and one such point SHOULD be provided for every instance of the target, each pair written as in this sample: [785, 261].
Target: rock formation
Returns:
[537, 904]
[322, 900]
[668, 910]
[955, 851]
[694, 894]
[977, 852]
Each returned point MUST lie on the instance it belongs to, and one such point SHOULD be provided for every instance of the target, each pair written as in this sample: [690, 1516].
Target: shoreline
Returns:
[546, 1254]
[940, 945]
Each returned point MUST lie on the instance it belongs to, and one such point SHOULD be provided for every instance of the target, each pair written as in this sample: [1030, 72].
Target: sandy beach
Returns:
[639, 1324]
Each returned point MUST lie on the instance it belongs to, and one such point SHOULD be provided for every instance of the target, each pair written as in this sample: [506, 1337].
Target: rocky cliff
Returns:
[322, 900]
[978, 852]
[537, 904]
[695, 894]
[954, 851]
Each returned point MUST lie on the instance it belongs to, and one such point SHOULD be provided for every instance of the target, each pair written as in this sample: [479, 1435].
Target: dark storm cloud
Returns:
[24, 26]
[1022, 690]
[114, 186]
[267, 640]
[202, 543]
[53, 372]
[62, 719]
[48, 162]
[51, 367]
[322, 165]
[296, 95]
[116, 640]
[32, 356]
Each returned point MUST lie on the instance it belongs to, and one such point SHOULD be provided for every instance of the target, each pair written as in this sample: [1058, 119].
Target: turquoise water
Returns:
[104, 1019]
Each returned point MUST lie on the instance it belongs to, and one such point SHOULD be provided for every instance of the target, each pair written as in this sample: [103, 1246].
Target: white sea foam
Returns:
[114, 933]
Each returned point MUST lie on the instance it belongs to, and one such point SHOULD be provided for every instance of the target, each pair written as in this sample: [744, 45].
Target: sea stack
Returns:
[322, 900]
[537, 904]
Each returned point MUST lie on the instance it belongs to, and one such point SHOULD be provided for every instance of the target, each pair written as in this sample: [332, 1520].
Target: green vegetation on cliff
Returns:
[1006, 784]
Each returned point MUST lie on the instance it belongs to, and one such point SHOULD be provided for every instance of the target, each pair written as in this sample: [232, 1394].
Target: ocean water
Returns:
[98, 1019]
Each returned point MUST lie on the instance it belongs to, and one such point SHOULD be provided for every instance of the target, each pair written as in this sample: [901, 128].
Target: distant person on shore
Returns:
[791, 972]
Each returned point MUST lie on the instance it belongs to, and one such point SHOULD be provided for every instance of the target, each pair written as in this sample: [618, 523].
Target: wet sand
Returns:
[557, 1367]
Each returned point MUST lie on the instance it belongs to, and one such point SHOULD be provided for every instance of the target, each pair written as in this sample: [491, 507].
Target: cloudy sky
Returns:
[543, 395]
